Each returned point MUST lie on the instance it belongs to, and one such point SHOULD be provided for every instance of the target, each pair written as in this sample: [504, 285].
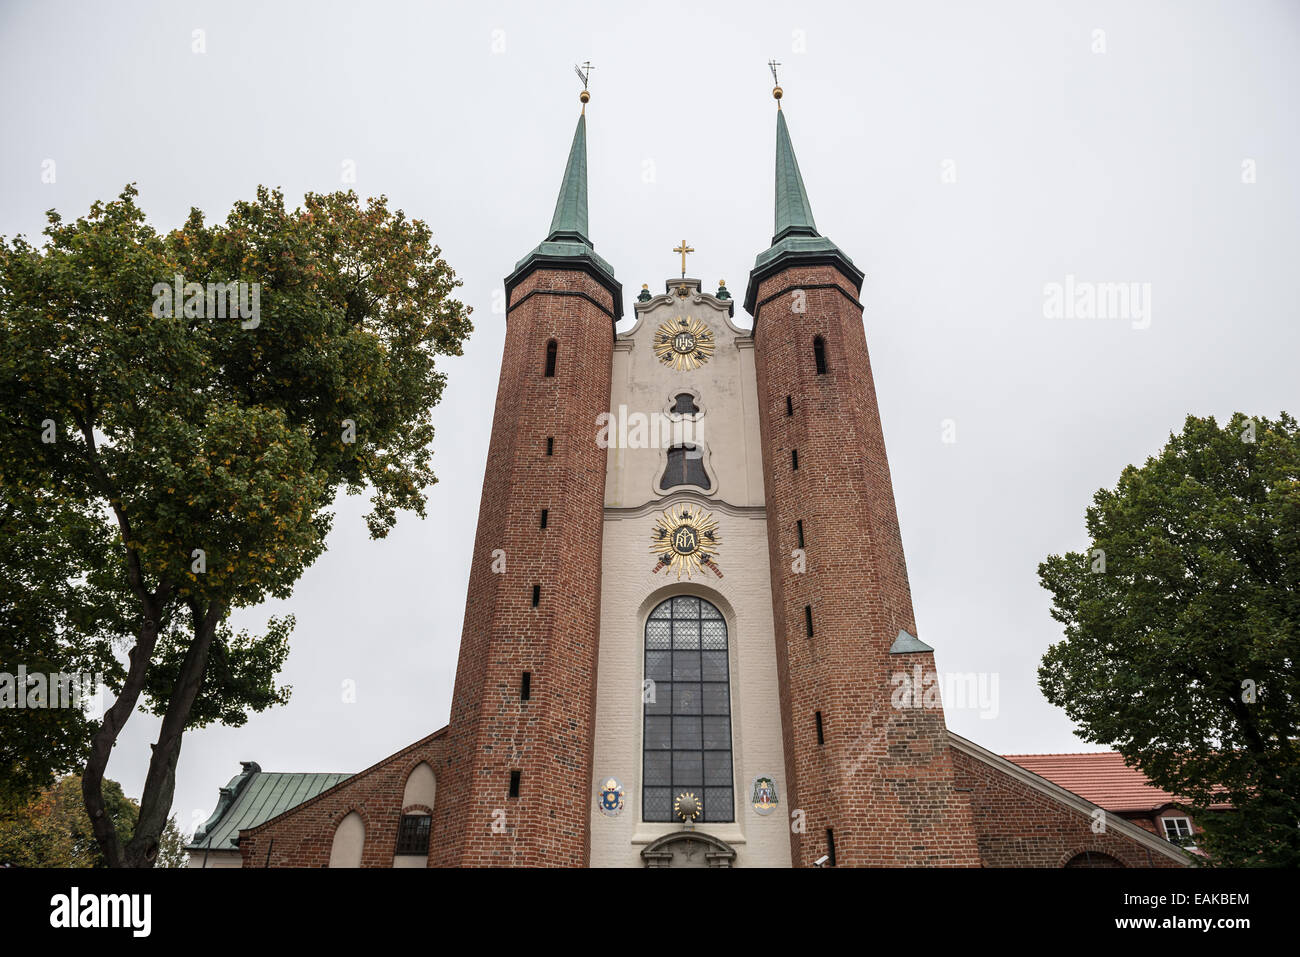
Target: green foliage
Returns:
[58, 614]
[170, 464]
[240, 675]
[51, 829]
[1182, 652]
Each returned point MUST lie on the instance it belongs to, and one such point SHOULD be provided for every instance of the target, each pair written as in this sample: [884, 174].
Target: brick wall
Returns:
[302, 836]
[492, 732]
[1018, 825]
[883, 778]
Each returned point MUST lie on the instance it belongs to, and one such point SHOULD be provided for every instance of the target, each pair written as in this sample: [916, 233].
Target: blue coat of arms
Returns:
[610, 797]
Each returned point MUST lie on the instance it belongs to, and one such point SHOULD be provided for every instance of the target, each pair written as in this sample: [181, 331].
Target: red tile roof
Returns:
[1101, 777]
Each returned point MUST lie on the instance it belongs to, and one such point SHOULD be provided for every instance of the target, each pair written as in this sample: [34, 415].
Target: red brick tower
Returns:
[874, 781]
[516, 788]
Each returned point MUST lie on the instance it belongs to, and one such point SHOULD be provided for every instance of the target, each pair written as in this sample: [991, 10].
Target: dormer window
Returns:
[1178, 830]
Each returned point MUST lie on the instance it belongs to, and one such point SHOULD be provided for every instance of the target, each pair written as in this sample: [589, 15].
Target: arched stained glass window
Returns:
[687, 711]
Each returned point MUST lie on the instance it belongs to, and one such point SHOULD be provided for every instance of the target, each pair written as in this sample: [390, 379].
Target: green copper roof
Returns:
[793, 211]
[796, 241]
[567, 245]
[906, 643]
[253, 797]
[570, 219]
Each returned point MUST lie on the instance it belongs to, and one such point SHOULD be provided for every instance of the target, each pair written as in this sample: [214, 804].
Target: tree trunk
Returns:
[101, 743]
[160, 783]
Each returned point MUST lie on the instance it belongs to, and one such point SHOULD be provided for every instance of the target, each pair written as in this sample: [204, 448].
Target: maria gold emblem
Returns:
[685, 343]
[685, 539]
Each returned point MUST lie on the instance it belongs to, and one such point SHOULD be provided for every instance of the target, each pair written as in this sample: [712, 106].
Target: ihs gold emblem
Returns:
[686, 539]
[685, 343]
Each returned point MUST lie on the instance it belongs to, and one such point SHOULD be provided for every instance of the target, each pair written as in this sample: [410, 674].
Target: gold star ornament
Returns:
[685, 539]
[684, 343]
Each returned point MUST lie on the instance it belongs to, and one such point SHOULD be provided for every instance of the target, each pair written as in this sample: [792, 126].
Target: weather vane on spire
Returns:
[584, 74]
[776, 88]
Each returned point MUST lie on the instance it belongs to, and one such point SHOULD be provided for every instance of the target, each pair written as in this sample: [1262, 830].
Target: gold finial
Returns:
[776, 89]
[722, 283]
[584, 74]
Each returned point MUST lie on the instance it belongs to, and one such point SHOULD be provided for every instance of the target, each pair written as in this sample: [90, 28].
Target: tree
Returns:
[58, 615]
[51, 828]
[1182, 630]
[199, 398]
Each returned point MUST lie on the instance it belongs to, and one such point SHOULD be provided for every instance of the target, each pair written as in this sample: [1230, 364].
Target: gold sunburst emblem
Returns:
[685, 343]
[685, 539]
[686, 806]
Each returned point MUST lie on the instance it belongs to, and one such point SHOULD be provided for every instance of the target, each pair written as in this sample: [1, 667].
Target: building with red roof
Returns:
[1103, 778]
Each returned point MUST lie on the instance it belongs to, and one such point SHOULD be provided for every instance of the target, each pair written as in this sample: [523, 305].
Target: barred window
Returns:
[413, 834]
[687, 711]
[686, 404]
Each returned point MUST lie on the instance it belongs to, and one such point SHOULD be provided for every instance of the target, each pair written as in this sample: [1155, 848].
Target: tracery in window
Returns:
[687, 745]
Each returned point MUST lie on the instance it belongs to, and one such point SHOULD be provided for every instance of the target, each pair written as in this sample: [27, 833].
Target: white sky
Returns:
[1122, 166]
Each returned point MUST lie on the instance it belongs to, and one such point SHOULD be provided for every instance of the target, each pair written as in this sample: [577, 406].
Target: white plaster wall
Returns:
[728, 399]
[421, 786]
[216, 859]
[349, 840]
[630, 590]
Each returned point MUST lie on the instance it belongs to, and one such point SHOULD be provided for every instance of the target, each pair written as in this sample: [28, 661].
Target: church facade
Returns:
[689, 637]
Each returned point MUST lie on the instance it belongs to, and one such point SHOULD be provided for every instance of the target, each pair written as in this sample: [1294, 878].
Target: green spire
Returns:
[570, 219]
[567, 246]
[797, 241]
[793, 211]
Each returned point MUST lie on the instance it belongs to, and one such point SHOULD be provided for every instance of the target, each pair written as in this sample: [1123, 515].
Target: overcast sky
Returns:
[1119, 166]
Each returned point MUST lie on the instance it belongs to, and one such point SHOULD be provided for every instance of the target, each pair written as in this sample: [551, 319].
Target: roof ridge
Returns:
[1063, 754]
